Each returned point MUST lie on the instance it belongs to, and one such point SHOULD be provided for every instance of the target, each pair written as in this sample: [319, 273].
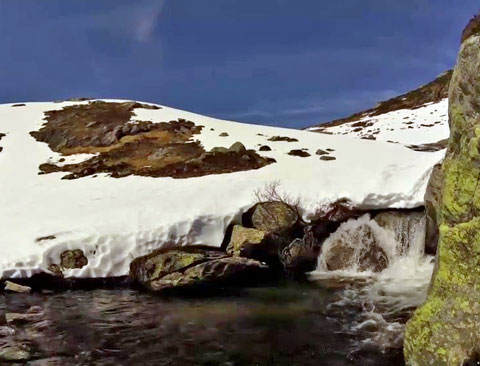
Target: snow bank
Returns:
[115, 220]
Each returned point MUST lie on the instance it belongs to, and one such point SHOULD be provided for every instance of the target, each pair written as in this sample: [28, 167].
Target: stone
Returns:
[12, 352]
[355, 248]
[274, 217]
[71, 259]
[220, 150]
[299, 153]
[249, 243]
[328, 158]
[445, 330]
[223, 134]
[265, 148]
[300, 256]
[162, 262]
[321, 152]
[13, 287]
[237, 147]
[432, 203]
[222, 271]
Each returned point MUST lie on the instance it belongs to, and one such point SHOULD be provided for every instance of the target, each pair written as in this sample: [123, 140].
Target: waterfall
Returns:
[386, 296]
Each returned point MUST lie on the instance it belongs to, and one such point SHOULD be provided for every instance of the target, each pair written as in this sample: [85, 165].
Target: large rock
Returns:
[301, 255]
[446, 329]
[274, 217]
[249, 243]
[192, 267]
[354, 248]
[222, 271]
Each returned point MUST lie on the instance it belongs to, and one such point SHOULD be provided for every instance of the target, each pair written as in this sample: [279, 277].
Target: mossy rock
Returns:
[71, 259]
[274, 217]
[249, 243]
[446, 329]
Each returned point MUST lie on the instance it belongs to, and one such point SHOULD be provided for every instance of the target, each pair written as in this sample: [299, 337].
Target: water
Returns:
[340, 318]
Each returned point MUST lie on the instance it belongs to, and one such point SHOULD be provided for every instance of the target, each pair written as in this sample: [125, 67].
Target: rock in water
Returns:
[446, 329]
[13, 287]
[192, 267]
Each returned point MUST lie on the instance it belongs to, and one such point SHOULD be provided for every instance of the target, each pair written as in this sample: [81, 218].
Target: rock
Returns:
[237, 147]
[219, 149]
[223, 134]
[14, 352]
[71, 259]
[13, 287]
[274, 217]
[354, 248]
[432, 203]
[446, 329]
[300, 153]
[300, 256]
[321, 152]
[222, 271]
[22, 318]
[249, 243]
[162, 262]
[328, 158]
[52, 361]
[408, 227]
[265, 148]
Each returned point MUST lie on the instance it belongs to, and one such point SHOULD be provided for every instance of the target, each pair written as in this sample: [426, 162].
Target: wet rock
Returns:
[53, 361]
[22, 318]
[71, 259]
[408, 227]
[300, 256]
[249, 243]
[354, 249]
[265, 148]
[165, 261]
[432, 203]
[223, 271]
[6, 331]
[13, 287]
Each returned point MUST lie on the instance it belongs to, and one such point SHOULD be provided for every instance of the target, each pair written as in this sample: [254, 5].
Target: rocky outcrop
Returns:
[446, 329]
[432, 202]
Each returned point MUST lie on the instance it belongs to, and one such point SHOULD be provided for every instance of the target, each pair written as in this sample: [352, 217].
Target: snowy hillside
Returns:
[418, 119]
[138, 185]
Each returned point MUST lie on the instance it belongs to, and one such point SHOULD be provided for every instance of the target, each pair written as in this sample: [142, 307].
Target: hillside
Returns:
[417, 119]
[115, 180]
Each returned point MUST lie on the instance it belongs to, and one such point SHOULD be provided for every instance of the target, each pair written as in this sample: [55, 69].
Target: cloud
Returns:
[145, 21]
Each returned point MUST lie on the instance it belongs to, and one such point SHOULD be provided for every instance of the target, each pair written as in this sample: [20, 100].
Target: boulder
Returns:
[355, 249]
[446, 329]
[194, 268]
[249, 243]
[162, 262]
[222, 271]
[274, 217]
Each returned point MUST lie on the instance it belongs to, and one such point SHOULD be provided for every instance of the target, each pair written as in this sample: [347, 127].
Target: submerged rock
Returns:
[446, 329]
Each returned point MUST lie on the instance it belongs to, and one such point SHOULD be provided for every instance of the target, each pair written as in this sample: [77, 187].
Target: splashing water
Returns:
[382, 301]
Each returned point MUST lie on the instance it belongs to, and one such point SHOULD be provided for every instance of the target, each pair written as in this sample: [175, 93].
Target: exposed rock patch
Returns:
[327, 158]
[282, 138]
[160, 149]
[265, 148]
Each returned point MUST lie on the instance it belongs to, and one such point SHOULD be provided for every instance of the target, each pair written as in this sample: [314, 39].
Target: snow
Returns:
[427, 124]
[116, 220]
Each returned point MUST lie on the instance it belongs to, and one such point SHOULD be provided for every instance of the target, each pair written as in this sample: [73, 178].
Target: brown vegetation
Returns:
[163, 149]
[472, 28]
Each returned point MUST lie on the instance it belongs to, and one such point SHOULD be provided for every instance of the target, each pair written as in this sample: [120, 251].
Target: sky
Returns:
[287, 63]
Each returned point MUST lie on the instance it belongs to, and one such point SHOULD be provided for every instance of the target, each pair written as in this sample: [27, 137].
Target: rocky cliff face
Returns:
[446, 329]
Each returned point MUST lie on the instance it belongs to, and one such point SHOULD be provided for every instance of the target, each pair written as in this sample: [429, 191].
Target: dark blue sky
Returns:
[281, 62]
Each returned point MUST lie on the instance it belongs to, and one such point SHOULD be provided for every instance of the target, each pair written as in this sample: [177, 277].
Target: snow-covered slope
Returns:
[417, 119]
[425, 125]
[114, 220]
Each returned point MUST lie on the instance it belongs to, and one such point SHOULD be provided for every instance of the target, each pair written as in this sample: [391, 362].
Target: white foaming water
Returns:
[382, 301]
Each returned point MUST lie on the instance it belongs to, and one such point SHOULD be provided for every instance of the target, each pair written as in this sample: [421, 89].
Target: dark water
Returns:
[284, 325]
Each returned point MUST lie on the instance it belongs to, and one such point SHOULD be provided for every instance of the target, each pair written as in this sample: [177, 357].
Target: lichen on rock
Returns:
[446, 329]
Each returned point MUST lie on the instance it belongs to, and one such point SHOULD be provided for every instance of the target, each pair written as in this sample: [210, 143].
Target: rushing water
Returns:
[346, 318]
